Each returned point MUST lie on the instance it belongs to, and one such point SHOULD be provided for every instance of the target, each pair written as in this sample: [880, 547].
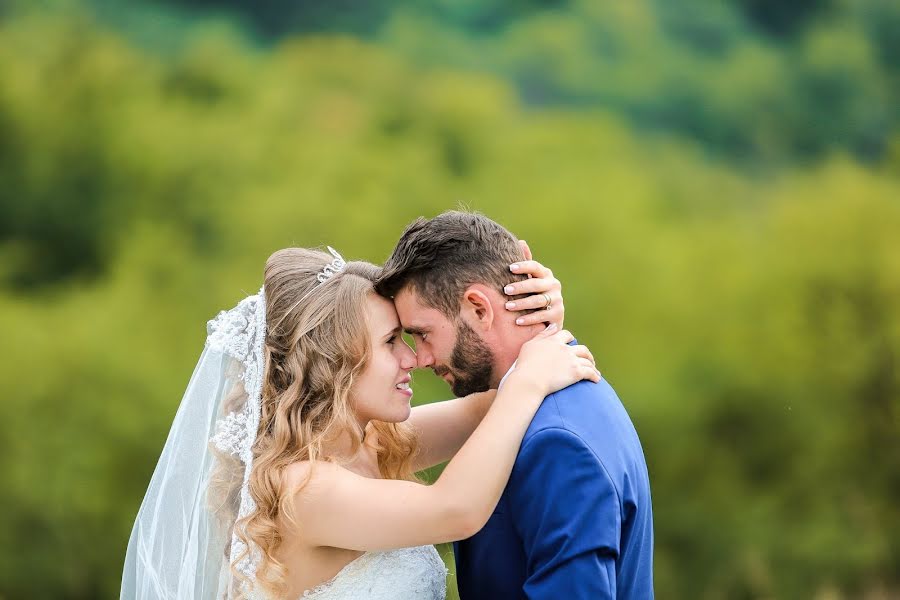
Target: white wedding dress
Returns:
[405, 574]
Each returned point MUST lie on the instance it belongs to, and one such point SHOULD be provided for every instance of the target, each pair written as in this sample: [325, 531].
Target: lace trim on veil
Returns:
[240, 333]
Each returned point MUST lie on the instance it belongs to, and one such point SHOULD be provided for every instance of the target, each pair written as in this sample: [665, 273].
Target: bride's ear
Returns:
[478, 306]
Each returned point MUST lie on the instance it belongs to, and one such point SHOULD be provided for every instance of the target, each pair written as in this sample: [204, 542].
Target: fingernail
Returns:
[509, 289]
[551, 326]
[514, 267]
[519, 321]
[510, 305]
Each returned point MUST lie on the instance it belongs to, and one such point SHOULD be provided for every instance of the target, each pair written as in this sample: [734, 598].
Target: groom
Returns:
[575, 520]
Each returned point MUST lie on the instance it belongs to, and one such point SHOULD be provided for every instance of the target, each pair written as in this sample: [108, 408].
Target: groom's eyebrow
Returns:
[414, 330]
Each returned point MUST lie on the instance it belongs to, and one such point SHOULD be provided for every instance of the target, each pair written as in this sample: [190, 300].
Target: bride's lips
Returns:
[402, 386]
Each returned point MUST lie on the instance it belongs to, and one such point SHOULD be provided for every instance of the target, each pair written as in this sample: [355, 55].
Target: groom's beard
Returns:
[471, 363]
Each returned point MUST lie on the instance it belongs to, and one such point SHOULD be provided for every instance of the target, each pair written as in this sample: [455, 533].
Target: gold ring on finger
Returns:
[549, 302]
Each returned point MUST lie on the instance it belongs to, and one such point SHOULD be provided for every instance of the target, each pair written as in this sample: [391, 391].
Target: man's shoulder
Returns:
[582, 408]
[596, 420]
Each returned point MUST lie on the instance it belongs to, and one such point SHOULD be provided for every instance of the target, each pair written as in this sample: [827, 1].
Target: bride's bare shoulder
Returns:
[306, 475]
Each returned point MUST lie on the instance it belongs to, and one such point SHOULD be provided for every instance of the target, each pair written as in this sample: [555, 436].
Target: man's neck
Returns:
[506, 376]
[506, 344]
[504, 360]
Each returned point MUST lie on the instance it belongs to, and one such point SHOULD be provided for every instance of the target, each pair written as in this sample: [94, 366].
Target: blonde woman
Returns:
[289, 469]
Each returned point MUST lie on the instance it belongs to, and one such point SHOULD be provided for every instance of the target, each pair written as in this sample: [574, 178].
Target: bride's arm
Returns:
[443, 427]
[340, 509]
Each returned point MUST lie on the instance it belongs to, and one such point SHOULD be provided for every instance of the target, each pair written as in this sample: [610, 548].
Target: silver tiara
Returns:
[336, 266]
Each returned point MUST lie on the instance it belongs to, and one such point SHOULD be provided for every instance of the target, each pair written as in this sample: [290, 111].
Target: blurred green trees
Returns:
[724, 219]
[756, 81]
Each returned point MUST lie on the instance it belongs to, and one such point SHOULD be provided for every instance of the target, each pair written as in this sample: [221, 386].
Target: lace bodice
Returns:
[405, 574]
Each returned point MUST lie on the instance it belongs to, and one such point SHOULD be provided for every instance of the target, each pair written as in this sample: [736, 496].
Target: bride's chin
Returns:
[394, 414]
[403, 415]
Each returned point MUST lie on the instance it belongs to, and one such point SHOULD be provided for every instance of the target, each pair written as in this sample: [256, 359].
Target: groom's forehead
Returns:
[414, 314]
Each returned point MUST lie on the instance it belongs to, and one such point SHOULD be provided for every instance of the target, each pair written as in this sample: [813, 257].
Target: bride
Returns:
[289, 468]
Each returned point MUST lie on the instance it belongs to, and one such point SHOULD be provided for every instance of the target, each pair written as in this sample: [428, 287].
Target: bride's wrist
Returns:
[528, 383]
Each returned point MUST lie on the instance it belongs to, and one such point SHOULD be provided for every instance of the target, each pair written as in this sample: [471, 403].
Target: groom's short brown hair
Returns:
[441, 257]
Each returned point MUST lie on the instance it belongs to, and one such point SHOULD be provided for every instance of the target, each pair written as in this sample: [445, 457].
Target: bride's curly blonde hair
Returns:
[317, 345]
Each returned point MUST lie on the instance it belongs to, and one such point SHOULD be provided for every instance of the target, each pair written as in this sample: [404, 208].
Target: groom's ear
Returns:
[476, 305]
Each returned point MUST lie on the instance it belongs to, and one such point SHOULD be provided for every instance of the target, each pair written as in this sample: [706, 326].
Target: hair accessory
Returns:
[336, 266]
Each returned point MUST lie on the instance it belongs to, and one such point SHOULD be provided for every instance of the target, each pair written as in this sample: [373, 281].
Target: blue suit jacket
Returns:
[575, 520]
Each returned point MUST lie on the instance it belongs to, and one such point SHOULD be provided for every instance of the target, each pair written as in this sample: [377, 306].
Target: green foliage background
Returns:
[716, 184]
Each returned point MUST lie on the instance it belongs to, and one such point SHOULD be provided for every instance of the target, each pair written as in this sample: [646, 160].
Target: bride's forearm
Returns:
[443, 427]
[474, 479]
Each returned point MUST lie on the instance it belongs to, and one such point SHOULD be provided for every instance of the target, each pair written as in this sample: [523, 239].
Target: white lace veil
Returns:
[184, 539]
